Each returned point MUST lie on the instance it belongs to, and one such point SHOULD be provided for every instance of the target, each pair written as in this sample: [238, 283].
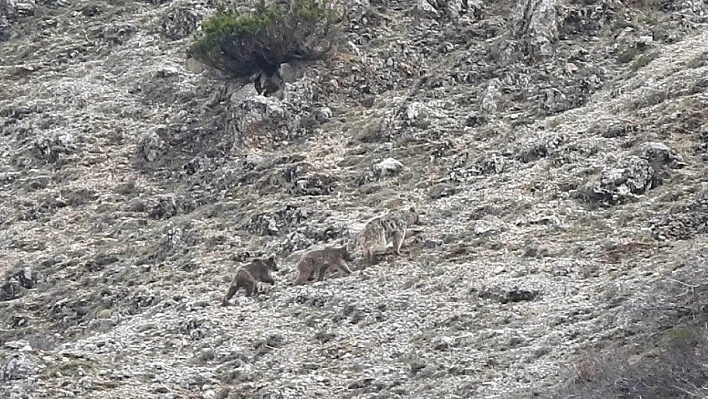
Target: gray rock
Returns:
[17, 367]
[474, 118]
[152, 146]
[257, 121]
[388, 167]
[491, 98]
[536, 24]
[685, 221]
[171, 240]
[165, 208]
[314, 184]
[630, 177]
[253, 161]
[180, 22]
[16, 284]
[290, 72]
[13, 9]
[276, 223]
[323, 114]
[18, 345]
[418, 114]
[660, 154]
[490, 163]
[425, 9]
[54, 149]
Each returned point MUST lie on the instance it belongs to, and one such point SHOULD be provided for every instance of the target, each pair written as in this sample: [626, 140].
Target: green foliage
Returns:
[241, 44]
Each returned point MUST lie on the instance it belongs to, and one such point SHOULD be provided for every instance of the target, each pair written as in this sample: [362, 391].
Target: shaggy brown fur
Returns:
[320, 261]
[381, 230]
[247, 277]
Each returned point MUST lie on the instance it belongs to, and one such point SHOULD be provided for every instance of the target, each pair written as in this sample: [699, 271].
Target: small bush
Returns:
[241, 44]
[676, 367]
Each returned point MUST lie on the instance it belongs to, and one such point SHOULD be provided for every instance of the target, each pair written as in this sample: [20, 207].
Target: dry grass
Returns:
[666, 357]
[674, 367]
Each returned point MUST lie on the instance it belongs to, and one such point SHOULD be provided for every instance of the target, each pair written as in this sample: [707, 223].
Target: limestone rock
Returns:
[17, 367]
[536, 25]
[54, 149]
[388, 167]
[630, 177]
[152, 145]
[660, 154]
[166, 207]
[490, 100]
[180, 22]
[10, 10]
[258, 121]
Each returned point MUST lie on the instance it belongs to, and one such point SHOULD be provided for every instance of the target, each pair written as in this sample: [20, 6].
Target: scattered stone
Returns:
[16, 283]
[253, 161]
[508, 296]
[290, 73]
[100, 262]
[441, 190]
[165, 208]
[258, 121]
[490, 100]
[630, 177]
[684, 221]
[152, 145]
[54, 149]
[270, 394]
[537, 149]
[660, 154]
[194, 165]
[10, 11]
[17, 367]
[324, 337]
[91, 11]
[179, 23]
[418, 115]
[424, 9]
[475, 119]
[277, 223]
[171, 241]
[22, 345]
[536, 25]
[323, 114]
[387, 167]
[318, 184]
[275, 340]
[495, 163]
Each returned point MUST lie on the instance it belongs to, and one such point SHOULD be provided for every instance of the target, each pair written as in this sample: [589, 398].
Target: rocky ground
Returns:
[557, 149]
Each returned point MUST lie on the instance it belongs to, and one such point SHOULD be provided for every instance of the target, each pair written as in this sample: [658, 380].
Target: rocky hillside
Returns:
[557, 148]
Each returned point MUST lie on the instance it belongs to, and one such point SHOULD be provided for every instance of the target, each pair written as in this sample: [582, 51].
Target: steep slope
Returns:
[558, 150]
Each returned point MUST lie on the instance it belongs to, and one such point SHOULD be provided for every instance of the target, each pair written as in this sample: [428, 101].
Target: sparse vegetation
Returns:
[241, 44]
[664, 356]
[642, 61]
[627, 55]
[672, 367]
